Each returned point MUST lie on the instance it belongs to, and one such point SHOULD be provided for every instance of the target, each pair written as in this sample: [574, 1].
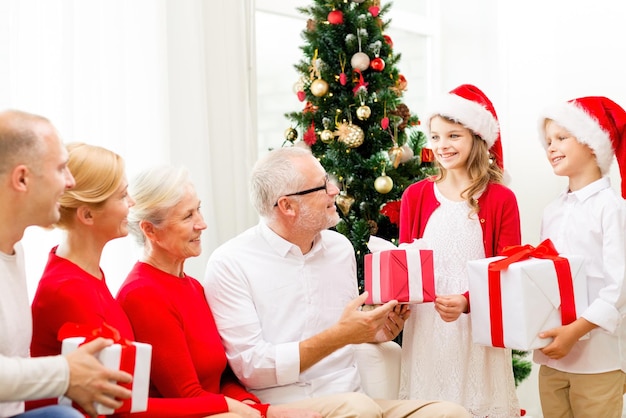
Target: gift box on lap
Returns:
[514, 298]
[404, 274]
[131, 357]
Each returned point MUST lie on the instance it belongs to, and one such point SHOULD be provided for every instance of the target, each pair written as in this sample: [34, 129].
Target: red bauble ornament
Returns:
[374, 10]
[301, 95]
[377, 64]
[335, 17]
[388, 40]
[384, 122]
[343, 79]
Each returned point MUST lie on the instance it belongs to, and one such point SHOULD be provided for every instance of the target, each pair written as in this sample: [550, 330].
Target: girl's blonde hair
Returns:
[481, 167]
[98, 173]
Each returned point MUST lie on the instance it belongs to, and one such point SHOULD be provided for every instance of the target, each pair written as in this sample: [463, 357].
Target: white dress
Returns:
[439, 359]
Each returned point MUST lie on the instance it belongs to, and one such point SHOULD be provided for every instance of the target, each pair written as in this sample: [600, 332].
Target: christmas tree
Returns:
[354, 119]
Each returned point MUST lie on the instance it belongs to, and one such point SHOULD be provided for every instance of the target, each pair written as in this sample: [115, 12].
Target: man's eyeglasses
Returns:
[326, 187]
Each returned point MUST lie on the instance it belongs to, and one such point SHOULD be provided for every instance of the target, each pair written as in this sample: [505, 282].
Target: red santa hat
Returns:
[471, 108]
[596, 121]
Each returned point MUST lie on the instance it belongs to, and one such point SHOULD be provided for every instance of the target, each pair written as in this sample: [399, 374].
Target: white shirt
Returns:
[592, 222]
[22, 378]
[267, 296]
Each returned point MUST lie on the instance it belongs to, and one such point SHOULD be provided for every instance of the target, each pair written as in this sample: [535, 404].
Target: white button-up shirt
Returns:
[592, 222]
[267, 296]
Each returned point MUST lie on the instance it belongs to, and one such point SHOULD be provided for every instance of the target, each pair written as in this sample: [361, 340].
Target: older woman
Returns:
[168, 309]
[73, 286]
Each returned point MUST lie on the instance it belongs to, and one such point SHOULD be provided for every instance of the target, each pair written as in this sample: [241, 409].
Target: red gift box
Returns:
[406, 275]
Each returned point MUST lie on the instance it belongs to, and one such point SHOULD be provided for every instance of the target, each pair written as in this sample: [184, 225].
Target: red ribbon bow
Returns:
[516, 253]
[71, 329]
[129, 350]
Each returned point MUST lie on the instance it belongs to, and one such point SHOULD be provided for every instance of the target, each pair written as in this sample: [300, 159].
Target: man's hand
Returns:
[91, 382]
[375, 325]
[394, 323]
[355, 326]
[450, 307]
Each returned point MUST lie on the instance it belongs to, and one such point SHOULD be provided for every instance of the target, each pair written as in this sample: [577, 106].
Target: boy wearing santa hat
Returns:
[587, 378]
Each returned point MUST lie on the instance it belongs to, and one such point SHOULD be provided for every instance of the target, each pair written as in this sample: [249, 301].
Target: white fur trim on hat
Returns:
[468, 113]
[572, 117]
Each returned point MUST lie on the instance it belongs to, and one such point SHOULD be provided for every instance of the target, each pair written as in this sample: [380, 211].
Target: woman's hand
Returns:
[241, 409]
[450, 307]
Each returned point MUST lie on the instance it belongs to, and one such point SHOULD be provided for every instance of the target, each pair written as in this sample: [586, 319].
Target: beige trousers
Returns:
[353, 405]
[568, 395]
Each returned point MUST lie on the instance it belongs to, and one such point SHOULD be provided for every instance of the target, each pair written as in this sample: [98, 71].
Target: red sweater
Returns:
[498, 214]
[188, 359]
[66, 293]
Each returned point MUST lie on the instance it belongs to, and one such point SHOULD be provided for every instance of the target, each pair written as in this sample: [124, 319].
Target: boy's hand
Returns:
[563, 341]
[565, 337]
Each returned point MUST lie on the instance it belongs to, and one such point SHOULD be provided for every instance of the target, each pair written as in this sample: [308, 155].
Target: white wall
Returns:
[526, 55]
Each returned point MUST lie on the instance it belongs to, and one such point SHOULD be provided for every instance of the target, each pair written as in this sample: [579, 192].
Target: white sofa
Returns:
[379, 367]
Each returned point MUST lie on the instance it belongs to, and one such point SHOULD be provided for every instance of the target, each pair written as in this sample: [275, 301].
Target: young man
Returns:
[33, 175]
[284, 297]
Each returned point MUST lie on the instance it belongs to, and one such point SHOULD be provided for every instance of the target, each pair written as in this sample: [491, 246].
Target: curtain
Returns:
[157, 81]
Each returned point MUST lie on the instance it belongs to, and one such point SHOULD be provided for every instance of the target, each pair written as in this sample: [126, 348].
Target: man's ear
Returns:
[286, 206]
[20, 178]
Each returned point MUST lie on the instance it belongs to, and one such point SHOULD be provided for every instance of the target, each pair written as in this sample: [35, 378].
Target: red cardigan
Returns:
[498, 214]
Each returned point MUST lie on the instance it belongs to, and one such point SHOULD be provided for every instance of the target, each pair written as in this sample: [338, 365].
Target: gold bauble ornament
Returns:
[319, 87]
[327, 136]
[383, 184]
[291, 134]
[360, 61]
[344, 202]
[350, 134]
[363, 112]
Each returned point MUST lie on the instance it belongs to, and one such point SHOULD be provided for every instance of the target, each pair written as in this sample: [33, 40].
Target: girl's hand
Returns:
[450, 307]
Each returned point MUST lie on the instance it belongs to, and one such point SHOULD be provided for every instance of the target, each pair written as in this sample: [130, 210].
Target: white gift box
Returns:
[531, 302]
[111, 357]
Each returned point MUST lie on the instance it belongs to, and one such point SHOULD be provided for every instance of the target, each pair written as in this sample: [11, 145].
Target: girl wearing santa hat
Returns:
[464, 212]
[585, 378]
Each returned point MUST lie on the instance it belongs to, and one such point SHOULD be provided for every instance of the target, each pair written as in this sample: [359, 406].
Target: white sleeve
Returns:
[23, 379]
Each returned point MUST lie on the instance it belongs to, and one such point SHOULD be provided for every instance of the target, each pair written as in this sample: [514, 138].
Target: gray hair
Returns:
[155, 191]
[275, 175]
